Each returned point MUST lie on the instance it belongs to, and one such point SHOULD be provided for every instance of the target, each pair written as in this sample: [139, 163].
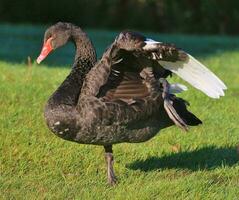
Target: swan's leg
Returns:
[110, 161]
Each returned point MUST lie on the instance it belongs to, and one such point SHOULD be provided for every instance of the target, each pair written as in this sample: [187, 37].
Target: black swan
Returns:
[124, 97]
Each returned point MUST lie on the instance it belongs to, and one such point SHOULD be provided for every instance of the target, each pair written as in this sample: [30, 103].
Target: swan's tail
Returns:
[176, 109]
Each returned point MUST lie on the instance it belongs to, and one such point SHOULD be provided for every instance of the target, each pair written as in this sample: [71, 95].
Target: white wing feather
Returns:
[197, 75]
[177, 88]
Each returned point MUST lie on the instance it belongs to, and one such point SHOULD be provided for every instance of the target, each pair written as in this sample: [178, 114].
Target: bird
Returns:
[124, 97]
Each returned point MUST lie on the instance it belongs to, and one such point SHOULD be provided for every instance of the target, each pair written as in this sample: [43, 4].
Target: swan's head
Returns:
[55, 37]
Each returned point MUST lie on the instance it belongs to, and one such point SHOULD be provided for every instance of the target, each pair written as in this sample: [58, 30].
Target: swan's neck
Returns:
[68, 92]
[84, 47]
[85, 58]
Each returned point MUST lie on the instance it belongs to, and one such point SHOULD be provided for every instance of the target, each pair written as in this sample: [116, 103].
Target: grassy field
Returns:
[201, 164]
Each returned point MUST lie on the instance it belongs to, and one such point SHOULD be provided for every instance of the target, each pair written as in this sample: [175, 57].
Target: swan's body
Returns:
[123, 97]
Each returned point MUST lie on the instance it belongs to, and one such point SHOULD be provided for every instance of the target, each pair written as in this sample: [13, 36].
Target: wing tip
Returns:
[216, 95]
[215, 85]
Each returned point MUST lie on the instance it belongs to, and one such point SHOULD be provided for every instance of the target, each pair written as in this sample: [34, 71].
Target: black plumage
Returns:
[117, 99]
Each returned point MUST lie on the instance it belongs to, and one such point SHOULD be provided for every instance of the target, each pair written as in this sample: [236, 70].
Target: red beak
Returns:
[46, 49]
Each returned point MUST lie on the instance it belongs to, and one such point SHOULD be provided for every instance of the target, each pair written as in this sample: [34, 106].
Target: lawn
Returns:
[35, 164]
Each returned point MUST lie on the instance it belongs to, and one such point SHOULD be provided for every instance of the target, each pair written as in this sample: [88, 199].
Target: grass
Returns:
[201, 164]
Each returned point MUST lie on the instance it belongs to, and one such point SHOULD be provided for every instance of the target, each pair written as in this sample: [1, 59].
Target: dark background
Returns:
[170, 16]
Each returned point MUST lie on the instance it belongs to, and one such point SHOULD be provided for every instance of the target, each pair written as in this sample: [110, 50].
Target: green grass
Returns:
[201, 164]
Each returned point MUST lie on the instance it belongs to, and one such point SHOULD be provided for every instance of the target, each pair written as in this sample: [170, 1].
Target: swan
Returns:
[124, 96]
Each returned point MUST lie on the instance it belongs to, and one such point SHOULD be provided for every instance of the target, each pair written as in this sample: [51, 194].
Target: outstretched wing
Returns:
[132, 52]
[173, 59]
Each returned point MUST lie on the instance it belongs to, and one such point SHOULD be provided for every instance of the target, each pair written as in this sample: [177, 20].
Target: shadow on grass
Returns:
[206, 158]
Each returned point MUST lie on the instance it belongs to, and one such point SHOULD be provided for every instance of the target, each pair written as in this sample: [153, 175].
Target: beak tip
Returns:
[39, 59]
[46, 49]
